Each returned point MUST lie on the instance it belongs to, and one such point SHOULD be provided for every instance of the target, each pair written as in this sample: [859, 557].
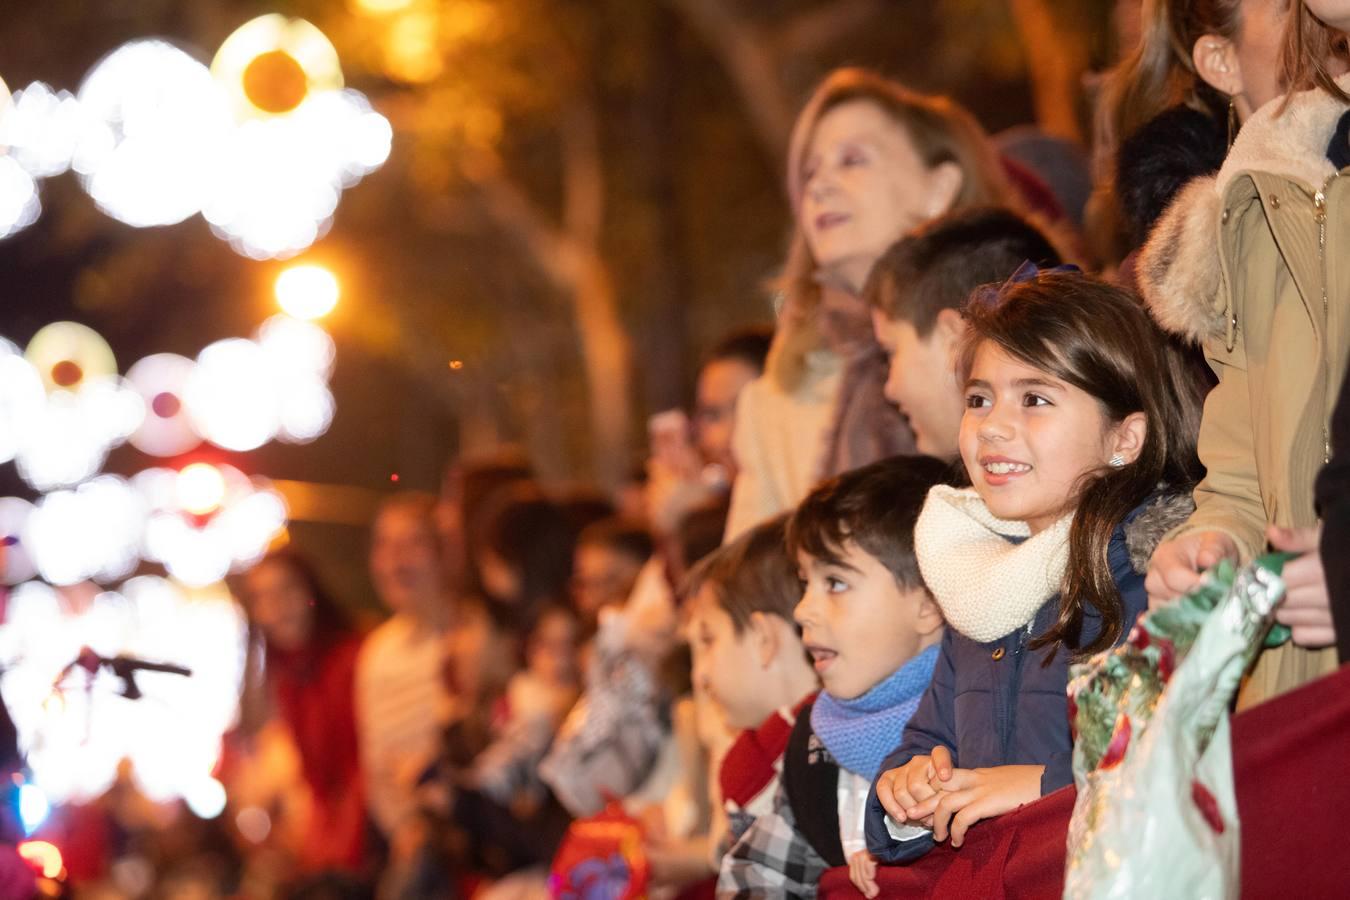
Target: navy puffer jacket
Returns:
[1002, 704]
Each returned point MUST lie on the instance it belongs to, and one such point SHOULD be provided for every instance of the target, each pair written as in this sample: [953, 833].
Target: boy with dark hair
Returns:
[916, 292]
[872, 631]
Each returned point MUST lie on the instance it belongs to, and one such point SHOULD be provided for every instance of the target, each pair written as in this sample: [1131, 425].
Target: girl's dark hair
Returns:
[330, 622]
[1308, 44]
[1098, 338]
[751, 574]
[535, 537]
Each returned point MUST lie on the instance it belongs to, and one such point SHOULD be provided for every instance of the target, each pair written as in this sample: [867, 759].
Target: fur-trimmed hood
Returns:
[1146, 530]
[1179, 269]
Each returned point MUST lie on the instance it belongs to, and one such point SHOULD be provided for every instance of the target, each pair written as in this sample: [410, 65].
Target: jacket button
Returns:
[1274, 202]
[1224, 217]
[998, 653]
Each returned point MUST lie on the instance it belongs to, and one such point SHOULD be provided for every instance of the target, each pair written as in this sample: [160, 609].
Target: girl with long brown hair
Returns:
[868, 161]
[1071, 427]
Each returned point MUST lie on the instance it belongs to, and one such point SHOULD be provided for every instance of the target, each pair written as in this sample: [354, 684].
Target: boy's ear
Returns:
[1130, 436]
[950, 325]
[764, 638]
[929, 621]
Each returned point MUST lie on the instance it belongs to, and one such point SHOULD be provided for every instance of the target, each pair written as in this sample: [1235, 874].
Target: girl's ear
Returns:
[1217, 64]
[944, 183]
[1130, 435]
[764, 638]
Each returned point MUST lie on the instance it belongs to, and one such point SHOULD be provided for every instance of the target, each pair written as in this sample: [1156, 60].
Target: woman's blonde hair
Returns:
[1308, 44]
[941, 130]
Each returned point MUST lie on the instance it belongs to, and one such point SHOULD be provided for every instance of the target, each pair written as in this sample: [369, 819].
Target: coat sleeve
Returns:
[753, 498]
[933, 724]
[1229, 500]
[771, 860]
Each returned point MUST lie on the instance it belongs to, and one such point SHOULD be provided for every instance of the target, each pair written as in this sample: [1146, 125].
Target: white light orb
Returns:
[92, 532]
[296, 349]
[307, 409]
[231, 395]
[161, 380]
[19, 202]
[161, 120]
[43, 128]
[18, 564]
[206, 798]
[200, 488]
[22, 400]
[68, 354]
[307, 291]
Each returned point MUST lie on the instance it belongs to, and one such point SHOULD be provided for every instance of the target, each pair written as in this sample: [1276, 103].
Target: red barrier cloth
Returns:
[1293, 791]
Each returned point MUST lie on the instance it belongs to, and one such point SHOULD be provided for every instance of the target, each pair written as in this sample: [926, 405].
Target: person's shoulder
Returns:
[382, 641]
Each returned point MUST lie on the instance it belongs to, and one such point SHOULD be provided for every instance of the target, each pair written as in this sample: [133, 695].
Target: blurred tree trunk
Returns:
[570, 256]
[1057, 59]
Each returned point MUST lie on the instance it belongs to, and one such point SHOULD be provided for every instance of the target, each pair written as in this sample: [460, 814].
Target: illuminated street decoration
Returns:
[262, 144]
[307, 291]
[161, 380]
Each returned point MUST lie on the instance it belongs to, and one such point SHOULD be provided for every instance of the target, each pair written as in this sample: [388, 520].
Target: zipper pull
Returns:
[1320, 204]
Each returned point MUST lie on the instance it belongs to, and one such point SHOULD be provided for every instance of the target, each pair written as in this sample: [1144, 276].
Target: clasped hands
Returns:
[930, 791]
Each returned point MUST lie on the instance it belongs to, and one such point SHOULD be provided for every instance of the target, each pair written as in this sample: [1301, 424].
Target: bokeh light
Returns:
[380, 7]
[271, 64]
[18, 567]
[161, 380]
[170, 737]
[67, 439]
[231, 395]
[43, 129]
[92, 532]
[307, 291]
[19, 202]
[22, 398]
[160, 120]
[66, 354]
[200, 488]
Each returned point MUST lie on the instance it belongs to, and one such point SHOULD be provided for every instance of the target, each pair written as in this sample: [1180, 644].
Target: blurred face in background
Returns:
[405, 564]
[601, 576]
[280, 603]
[719, 384]
[552, 649]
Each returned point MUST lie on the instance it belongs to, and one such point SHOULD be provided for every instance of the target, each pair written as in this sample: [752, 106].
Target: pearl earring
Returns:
[1117, 461]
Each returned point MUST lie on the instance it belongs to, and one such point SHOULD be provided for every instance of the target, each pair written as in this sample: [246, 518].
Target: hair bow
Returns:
[990, 295]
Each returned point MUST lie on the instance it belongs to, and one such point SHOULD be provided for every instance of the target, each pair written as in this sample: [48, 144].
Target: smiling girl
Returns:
[1070, 429]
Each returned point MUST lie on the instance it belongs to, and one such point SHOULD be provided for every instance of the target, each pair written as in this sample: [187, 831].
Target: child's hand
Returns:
[970, 795]
[1176, 565]
[1307, 604]
[904, 789]
[862, 871]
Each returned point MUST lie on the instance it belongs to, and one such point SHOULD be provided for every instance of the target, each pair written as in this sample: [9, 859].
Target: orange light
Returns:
[43, 857]
[200, 488]
[275, 82]
[307, 291]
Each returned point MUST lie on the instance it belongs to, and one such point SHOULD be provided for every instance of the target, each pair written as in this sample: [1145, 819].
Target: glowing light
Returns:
[171, 737]
[201, 489]
[307, 410]
[22, 399]
[92, 532]
[33, 809]
[161, 380]
[206, 798]
[231, 395]
[296, 349]
[43, 128]
[411, 51]
[19, 203]
[307, 292]
[160, 119]
[271, 64]
[380, 7]
[67, 353]
[67, 439]
[18, 565]
[43, 857]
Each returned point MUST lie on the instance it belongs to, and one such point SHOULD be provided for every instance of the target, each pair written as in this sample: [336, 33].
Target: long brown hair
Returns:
[1308, 44]
[1160, 71]
[1098, 338]
[941, 131]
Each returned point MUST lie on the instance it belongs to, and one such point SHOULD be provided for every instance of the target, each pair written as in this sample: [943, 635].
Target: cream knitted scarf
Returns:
[986, 585]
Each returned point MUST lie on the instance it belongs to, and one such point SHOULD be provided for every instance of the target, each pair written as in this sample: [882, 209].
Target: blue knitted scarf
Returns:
[861, 732]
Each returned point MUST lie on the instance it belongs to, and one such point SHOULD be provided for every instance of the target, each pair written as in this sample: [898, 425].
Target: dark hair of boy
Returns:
[873, 508]
[751, 574]
[631, 539]
[938, 266]
[747, 345]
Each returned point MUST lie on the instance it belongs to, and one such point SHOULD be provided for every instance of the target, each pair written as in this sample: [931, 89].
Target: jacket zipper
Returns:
[1320, 205]
[1015, 685]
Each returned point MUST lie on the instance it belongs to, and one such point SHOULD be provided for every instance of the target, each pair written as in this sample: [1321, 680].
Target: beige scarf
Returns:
[986, 585]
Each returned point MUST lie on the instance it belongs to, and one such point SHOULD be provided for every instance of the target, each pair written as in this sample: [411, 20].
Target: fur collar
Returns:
[1146, 530]
[1179, 268]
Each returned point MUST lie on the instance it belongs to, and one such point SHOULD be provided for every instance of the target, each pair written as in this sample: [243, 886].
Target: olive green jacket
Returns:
[1254, 264]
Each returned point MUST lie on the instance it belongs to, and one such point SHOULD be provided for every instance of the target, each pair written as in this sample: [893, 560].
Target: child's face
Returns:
[858, 624]
[553, 649]
[1027, 438]
[601, 576]
[922, 380]
[726, 664]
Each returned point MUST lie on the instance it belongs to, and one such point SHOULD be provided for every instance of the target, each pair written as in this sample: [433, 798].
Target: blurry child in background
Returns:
[748, 658]
[1071, 426]
[609, 555]
[916, 292]
[872, 631]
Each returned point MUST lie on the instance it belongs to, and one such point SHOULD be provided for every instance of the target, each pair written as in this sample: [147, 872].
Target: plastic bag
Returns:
[1156, 812]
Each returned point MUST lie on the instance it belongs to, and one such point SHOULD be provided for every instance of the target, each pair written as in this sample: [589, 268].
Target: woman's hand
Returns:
[1177, 564]
[1307, 603]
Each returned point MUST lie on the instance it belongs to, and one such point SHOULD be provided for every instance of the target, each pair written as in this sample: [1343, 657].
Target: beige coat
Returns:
[1254, 264]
